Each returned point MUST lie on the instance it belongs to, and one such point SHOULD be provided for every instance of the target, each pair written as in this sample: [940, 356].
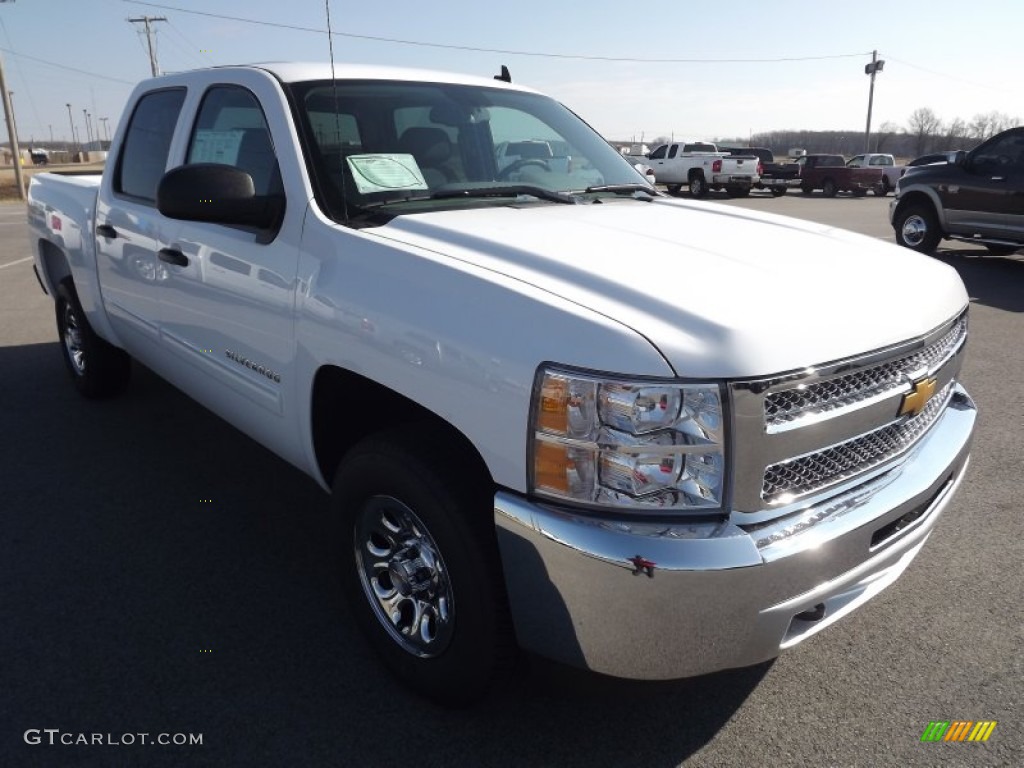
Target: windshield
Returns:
[377, 149]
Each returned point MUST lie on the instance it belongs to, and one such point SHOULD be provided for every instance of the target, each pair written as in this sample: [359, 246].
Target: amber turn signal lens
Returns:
[551, 466]
[554, 399]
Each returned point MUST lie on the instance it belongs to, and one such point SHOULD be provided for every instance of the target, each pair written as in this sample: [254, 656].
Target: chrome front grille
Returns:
[800, 434]
[790, 406]
[799, 476]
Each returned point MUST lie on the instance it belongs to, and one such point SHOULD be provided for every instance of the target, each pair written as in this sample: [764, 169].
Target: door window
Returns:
[659, 153]
[146, 144]
[232, 130]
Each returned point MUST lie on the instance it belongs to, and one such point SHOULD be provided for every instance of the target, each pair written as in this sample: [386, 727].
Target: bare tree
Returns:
[923, 124]
[886, 131]
[956, 132]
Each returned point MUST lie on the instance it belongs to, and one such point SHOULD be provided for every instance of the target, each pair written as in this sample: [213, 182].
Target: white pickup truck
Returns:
[557, 410]
[701, 167]
[891, 172]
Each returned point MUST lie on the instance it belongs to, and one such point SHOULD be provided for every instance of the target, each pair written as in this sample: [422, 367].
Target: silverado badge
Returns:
[916, 399]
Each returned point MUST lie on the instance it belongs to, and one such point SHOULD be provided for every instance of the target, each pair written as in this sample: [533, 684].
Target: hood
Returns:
[720, 291]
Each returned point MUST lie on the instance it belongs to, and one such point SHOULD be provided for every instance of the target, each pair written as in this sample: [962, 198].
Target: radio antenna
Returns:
[337, 117]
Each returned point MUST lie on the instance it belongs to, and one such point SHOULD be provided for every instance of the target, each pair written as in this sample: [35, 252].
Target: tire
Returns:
[1002, 250]
[416, 537]
[883, 189]
[737, 191]
[673, 189]
[917, 228]
[778, 191]
[860, 193]
[699, 186]
[829, 188]
[97, 368]
[806, 189]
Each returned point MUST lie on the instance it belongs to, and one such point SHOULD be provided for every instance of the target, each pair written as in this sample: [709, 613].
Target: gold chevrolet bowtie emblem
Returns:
[916, 399]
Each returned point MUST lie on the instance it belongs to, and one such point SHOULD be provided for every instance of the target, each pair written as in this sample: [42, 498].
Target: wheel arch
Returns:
[55, 265]
[919, 197]
[346, 407]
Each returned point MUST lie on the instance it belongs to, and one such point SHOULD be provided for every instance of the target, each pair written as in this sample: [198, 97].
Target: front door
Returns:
[989, 193]
[227, 305]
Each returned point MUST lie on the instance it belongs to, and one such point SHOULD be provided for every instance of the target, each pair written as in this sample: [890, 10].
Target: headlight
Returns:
[642, 445]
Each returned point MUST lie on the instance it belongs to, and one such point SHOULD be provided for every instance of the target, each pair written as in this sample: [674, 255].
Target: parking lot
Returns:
[163, 573]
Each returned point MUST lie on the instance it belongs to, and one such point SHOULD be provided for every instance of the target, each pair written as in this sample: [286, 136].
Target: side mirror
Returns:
[959, 157]
[220, 194]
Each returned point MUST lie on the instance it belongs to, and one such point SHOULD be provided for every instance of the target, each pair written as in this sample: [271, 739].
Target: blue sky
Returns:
[957, 59]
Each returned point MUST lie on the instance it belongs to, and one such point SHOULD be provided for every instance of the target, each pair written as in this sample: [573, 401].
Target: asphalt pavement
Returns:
[160, 573]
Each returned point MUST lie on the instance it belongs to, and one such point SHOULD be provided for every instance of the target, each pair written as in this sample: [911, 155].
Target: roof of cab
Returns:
[292, 71]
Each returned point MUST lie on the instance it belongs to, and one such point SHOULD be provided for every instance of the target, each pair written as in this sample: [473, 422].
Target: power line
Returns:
[504, 51]
[943, 74]
[77, 70]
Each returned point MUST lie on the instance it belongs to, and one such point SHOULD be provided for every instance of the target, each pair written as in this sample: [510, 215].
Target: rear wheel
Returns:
[917, 228]
[778, 191]
[829, 188]
[1002, 250]
[698, 186]
[883, 189]
[98, 369]
[420, 564]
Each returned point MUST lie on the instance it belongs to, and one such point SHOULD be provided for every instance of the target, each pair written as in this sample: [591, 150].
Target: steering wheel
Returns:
[504, 173]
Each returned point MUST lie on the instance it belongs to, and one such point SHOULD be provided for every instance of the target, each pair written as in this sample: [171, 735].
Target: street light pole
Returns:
[88, 133]
[872, 69]
[106, 129]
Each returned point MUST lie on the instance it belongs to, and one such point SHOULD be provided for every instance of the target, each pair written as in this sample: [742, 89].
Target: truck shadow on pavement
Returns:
[173, 576]
[991, 280]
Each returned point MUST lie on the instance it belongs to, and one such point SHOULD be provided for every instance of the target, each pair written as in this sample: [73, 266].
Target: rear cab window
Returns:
[143, 157]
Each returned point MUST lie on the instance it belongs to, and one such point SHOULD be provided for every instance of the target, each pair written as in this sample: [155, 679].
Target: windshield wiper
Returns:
[623, 189]
[505, 190]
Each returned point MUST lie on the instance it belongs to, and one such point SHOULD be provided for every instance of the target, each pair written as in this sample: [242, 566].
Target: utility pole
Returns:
[51, 134]
[71, 122]
[12, 132]
[145, 21]
[871, 69]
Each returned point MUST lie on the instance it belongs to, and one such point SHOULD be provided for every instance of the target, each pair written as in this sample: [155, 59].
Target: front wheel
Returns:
[420, 565]
[829, 188]
[698, 186]
[917, 228]
[98, 369]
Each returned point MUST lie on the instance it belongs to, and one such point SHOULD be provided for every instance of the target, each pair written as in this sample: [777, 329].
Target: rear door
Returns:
[130, 231]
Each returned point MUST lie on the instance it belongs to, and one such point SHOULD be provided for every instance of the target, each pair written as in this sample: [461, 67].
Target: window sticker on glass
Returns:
[385, 172]
[216, 146]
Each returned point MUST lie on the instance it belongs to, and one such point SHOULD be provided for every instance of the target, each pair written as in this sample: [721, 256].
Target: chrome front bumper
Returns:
[661, 600]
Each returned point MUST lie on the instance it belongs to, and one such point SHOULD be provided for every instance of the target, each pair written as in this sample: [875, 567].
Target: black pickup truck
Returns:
[977, 198]
[773, 175]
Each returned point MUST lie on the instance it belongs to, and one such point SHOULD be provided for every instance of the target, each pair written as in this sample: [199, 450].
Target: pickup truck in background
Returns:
[891, 172]
[828, 173]
[977, 197]
[555, 408]
[702, 168]
[773, 175]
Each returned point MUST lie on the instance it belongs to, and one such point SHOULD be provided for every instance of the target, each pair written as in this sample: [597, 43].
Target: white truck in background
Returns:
[891, 172]
[702, 168]
[556, 409]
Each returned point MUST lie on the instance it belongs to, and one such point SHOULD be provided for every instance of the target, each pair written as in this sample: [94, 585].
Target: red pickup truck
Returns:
[830, 174]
